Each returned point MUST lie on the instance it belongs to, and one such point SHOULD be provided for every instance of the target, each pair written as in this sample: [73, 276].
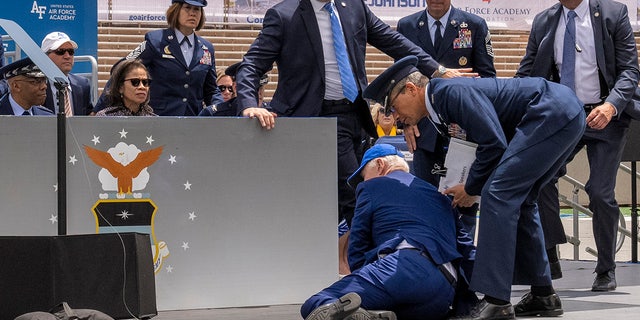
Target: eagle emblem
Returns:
[125, 164]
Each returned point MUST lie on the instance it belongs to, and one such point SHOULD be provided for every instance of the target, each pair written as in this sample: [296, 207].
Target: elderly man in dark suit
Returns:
[403, 248]
[319, 47]
[27, 89]
[513, 122]
[456, 39]
[61, 50]
[596, 38]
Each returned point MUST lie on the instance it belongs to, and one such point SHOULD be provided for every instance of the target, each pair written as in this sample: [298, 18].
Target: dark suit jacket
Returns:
[5, 108]
[290, 37]
[478, 56]
[615, 44]
[80, 96]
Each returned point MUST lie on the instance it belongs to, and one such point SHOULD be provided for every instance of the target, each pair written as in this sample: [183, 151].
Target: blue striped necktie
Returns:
[568, 69]
[349, 88]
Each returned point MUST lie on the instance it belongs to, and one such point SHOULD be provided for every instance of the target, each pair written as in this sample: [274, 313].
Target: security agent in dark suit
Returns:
[464, 42]
[27, 89]
[513, 121]
[297, 35]
[606, 64]
[61, 50]
[403, 248]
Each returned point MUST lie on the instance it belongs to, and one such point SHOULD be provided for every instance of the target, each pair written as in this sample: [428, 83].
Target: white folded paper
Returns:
[460, 157]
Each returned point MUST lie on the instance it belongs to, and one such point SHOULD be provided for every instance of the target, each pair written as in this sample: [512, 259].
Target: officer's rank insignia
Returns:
[137, 51]
[487, 44]
[462, 61]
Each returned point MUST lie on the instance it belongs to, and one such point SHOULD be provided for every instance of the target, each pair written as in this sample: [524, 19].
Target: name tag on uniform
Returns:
[168, 56]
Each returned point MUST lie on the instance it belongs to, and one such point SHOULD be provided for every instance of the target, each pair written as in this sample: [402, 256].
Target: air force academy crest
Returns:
[123, 207]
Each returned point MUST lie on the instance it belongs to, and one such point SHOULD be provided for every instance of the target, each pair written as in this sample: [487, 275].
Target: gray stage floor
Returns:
[574, 289]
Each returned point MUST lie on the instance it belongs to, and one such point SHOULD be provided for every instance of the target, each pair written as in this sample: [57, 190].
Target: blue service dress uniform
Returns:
[390, 210]
[6, 110]
[178, 88]
[523, 138]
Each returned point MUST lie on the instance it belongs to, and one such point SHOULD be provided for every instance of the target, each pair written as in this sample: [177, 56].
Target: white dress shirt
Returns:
[333, 84]
[587, 79]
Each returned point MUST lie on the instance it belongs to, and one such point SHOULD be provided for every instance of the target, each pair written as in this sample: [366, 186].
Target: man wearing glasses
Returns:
[61, 50]
[513, 121]
[27, 89]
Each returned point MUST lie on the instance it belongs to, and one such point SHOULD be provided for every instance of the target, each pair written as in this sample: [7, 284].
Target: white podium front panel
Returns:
[238, 216]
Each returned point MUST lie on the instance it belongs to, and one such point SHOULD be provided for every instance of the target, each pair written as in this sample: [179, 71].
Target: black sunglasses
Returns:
[61, 52]
[136, 82]
[223, 88]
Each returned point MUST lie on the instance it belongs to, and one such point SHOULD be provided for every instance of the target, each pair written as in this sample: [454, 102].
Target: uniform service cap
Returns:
[197, 3]
[24, 67]
[380, 88]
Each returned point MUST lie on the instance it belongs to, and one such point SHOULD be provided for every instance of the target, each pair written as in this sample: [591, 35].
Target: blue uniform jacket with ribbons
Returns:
[466, 44]
[177, 88]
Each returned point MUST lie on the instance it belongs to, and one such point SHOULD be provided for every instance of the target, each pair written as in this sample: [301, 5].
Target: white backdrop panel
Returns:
[248, 217]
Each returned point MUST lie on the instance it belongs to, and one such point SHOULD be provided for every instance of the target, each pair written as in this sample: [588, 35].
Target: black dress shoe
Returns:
[338, 310]
[530, 305]
[489, 311]
[605, 281]
[556, 270]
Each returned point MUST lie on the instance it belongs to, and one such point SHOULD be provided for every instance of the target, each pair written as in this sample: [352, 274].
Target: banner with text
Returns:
[76, 18]
[499, 14]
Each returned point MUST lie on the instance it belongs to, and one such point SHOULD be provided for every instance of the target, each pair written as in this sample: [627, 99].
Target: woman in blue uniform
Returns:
[180, 62]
